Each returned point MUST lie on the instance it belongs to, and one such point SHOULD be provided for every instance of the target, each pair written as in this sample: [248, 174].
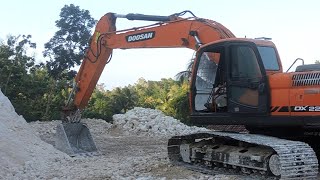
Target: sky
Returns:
[293, 25]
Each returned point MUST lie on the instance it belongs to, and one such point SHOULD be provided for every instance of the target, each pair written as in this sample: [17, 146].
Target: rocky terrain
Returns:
[133, 147]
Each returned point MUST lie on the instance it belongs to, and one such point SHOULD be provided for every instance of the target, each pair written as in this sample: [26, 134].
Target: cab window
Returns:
[244, 63]
[269, 58]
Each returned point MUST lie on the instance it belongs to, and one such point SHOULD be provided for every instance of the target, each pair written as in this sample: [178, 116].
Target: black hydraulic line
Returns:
[132, 16]
[183, 13]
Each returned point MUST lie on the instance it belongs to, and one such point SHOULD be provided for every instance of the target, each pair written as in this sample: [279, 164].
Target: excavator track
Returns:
[264, 156]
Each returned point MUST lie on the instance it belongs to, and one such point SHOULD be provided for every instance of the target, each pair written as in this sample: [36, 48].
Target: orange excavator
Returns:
[234, 81]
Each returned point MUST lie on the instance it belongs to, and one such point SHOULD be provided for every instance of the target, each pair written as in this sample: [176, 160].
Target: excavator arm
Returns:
[205, 151]
[172, 31]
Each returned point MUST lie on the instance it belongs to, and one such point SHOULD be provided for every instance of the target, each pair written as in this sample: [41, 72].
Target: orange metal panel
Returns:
[175, 33]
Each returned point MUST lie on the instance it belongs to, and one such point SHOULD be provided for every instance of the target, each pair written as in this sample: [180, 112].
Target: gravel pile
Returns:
[22, 153]
[150, 122]
[26, 150]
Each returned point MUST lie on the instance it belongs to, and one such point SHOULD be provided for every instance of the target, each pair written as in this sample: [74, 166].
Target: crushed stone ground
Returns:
[130, 148]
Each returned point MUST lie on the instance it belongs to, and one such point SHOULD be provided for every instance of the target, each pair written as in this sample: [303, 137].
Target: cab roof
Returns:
[256, 41]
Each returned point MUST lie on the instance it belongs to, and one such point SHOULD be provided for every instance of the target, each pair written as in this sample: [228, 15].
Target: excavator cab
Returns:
[237, 85]
[238, 88]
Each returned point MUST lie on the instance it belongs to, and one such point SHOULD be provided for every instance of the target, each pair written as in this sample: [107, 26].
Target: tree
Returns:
[167, 95]
[14, 62]
[179, 101]
[123, 99]
[100, 105]
[19, 77]
[145, 93]
[66, 48]
[185, 75]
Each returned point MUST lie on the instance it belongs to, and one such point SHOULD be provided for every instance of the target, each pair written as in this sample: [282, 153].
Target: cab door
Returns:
[247, 85]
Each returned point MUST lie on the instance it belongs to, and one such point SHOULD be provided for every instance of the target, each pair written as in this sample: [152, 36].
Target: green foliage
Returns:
[14, 66]
[37, 95]
[38, 91]
[123, 99]
[30, 88]
[100, 105]
[66, 48]
[185, 75]
[103, 104]
[145, 92]
[14, 63]
[43, 97]
[167, 95]
[180, 101]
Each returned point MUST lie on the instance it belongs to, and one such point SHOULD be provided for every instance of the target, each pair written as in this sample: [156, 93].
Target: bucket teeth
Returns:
[75, 139]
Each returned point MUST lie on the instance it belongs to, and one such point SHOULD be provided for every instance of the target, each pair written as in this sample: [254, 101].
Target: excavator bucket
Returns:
[75, 139]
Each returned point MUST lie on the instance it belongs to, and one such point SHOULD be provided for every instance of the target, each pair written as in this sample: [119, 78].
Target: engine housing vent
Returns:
[306, 79]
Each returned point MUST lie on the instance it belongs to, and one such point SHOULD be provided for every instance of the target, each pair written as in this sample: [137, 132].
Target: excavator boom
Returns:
[169, 32]
[234, 81]
[174, 32]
